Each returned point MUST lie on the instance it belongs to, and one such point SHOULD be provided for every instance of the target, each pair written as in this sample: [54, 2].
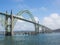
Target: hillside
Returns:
[56, 30]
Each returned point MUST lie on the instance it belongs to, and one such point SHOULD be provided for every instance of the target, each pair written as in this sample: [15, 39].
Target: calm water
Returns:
[40, 39]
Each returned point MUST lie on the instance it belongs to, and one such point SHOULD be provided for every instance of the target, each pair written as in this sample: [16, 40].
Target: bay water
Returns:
[39, 39]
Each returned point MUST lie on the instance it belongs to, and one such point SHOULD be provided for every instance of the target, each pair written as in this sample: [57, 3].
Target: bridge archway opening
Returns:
[25, 25]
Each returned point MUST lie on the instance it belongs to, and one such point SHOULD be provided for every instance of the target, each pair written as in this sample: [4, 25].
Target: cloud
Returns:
[36, 19]
[24, 26]
[52, 21]
[19, 20]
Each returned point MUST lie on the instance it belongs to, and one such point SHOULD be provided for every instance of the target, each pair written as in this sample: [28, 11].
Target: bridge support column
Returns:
[36, 28]
[43, 29]
[6, 25]
[9, 25]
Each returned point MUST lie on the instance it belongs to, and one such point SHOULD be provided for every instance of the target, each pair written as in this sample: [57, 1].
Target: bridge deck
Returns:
[22, 19]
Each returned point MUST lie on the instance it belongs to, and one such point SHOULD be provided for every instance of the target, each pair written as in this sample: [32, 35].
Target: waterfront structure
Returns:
[10, 19]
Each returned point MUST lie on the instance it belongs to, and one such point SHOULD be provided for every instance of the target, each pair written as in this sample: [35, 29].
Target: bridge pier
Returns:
[43, 29]
[9, 25]
[36, 28]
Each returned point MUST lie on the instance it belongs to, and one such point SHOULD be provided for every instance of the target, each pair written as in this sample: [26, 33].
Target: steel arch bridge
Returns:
[20, 13]
[12, 21]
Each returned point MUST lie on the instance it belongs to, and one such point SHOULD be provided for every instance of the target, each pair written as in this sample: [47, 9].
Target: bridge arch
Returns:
[28, 12]
[20, 13]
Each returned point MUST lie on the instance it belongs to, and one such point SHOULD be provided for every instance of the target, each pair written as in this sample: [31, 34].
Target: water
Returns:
[40, 39]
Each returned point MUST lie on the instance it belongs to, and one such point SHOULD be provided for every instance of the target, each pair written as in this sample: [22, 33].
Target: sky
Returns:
[46, 11]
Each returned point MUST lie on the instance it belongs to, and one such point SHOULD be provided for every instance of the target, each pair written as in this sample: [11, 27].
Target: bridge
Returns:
[9, 24]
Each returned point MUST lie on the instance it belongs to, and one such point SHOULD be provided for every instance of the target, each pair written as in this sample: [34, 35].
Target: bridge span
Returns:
[12, 17]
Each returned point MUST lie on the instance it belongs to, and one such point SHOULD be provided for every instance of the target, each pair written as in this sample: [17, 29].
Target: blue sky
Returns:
[47, 11]
[43, 7]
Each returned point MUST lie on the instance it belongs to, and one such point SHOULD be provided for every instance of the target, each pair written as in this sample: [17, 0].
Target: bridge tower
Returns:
[9, 25]
[37, 28]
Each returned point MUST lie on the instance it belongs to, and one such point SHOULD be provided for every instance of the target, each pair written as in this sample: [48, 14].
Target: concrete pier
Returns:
[8, 25]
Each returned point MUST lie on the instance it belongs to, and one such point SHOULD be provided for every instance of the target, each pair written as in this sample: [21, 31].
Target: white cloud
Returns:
[20, 20]
[24, 26]
[52, 21]
[54, 15]
[36, 19]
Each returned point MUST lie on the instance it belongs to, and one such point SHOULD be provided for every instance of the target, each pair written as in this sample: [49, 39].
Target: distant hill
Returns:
[56, 30]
